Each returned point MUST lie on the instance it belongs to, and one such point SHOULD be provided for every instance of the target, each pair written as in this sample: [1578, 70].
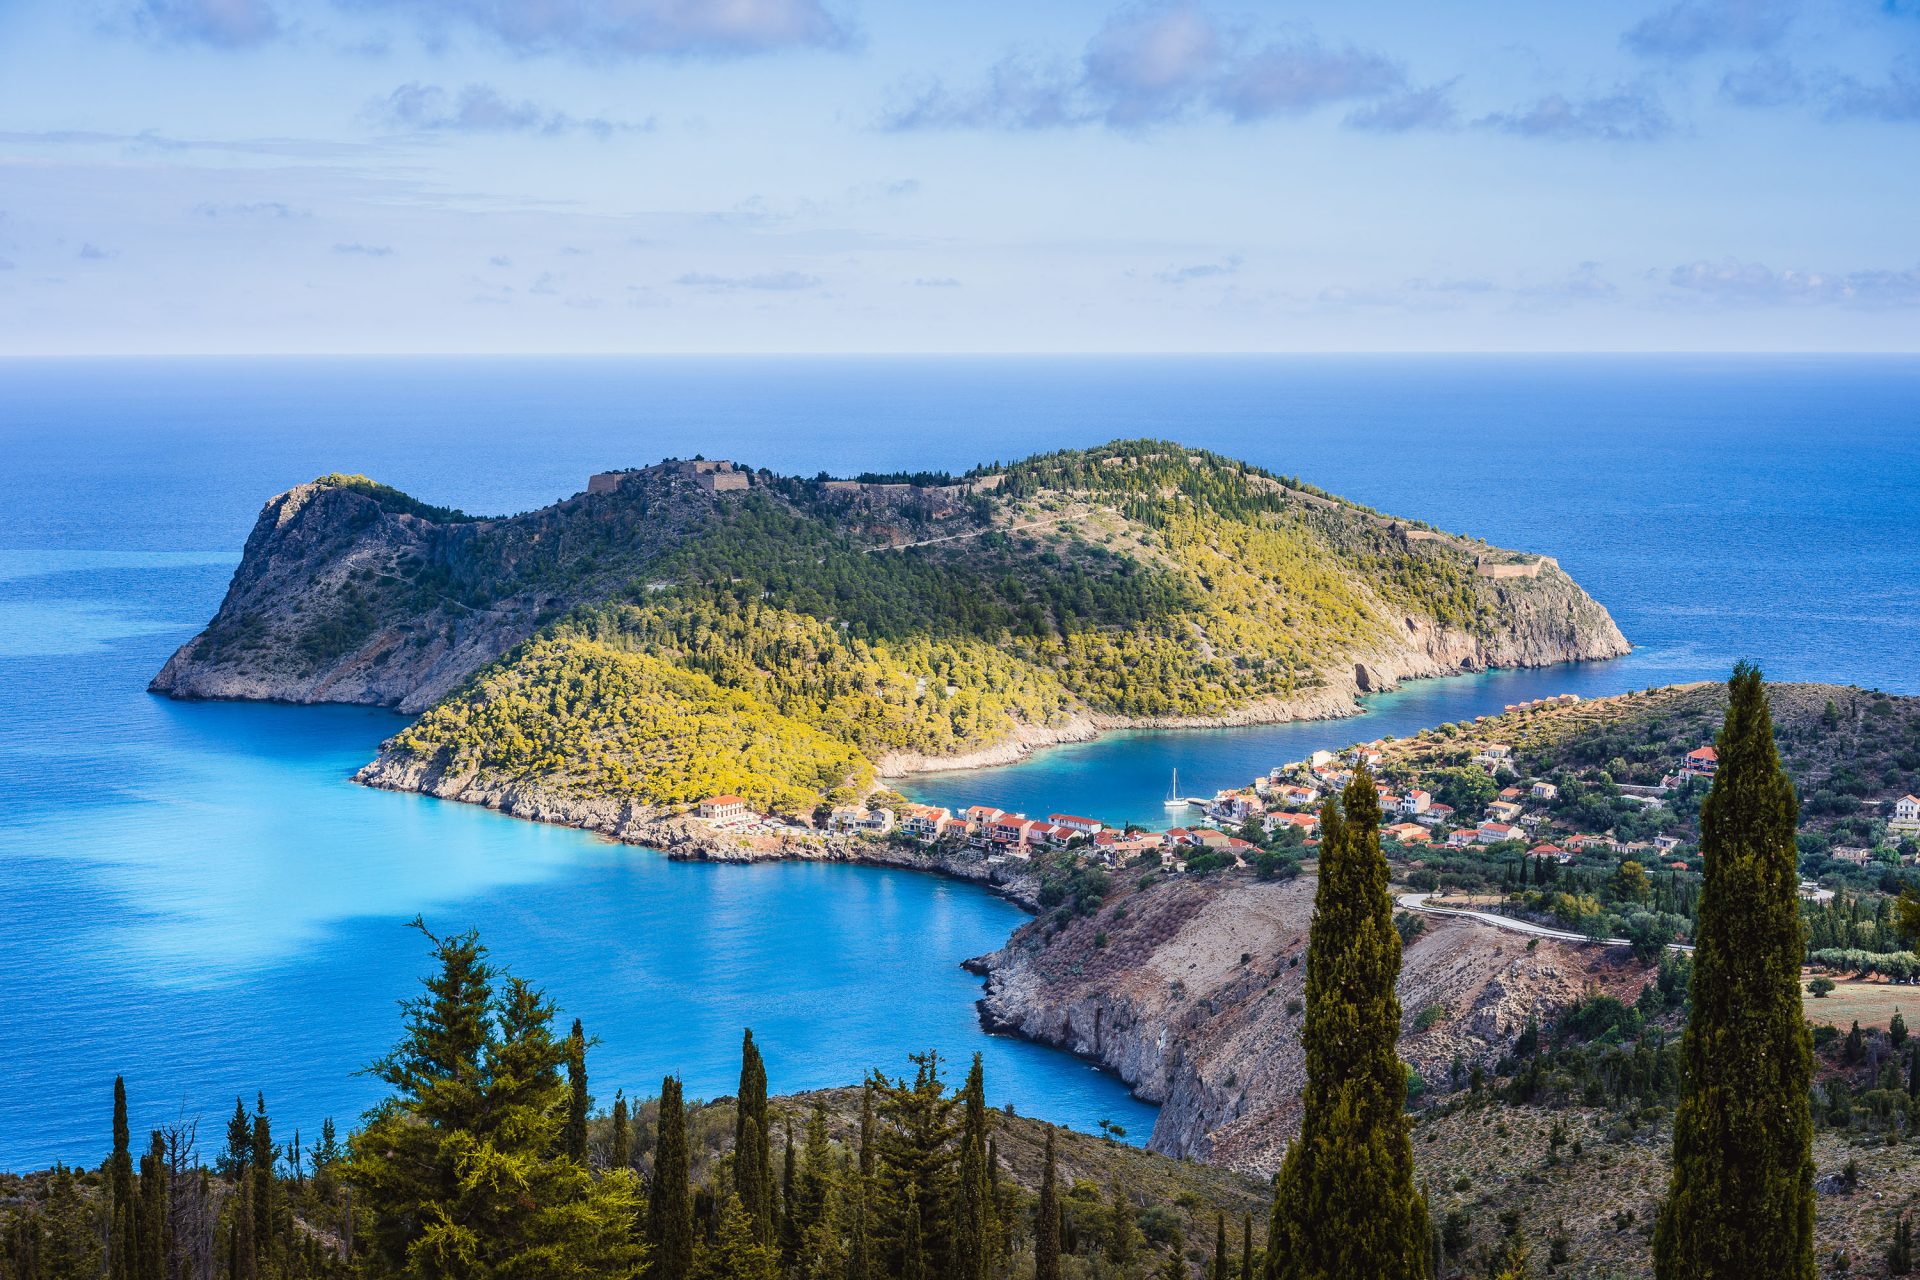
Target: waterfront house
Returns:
[876, 822]
[1073, 822]
[925, 822]
[723, 808]
[1293, 795]
[1208, 838]
[1700, 762]
[981, 815]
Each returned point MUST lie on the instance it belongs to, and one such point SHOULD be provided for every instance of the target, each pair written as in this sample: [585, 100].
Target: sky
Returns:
[668, 176]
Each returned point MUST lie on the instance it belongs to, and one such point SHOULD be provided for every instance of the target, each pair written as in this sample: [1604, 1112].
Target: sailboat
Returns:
[1174, 800]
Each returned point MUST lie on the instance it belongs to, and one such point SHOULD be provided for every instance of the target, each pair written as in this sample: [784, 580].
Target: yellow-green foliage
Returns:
[1137, 579]
[594, 720]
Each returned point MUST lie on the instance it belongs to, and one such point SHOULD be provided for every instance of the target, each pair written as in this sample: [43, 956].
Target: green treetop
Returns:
[1741, 1198]
[1345, 1202]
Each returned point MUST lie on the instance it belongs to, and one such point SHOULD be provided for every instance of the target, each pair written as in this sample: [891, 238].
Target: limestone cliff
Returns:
[1191, 991]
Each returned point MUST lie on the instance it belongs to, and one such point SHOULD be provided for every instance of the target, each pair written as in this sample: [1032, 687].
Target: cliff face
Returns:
[341, 597]
[1191, 992]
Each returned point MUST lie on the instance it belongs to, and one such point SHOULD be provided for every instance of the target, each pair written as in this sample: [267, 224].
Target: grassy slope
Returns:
[1136, 580]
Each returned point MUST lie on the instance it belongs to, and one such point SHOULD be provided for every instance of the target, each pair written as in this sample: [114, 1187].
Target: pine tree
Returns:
[670, 1198]
[1046, 1222]
[973, 1207]
[737, 1252]
[122, 1246]
[620, 1145]
[491, 1193]
[237, 1159]
[1345, 1202]
[1741, 1197]
[915, 1160]
[752, 1142]
[573, 1138]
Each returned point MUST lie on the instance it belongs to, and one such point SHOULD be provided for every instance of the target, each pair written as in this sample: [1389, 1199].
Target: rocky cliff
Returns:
[1192, 992]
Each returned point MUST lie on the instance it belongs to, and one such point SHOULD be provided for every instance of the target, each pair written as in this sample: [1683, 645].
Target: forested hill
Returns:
[692, 627]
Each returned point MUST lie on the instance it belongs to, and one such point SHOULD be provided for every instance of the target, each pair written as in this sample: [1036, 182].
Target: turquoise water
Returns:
[195, 895]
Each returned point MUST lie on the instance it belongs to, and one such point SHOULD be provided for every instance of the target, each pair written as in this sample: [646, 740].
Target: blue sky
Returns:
[210, 176]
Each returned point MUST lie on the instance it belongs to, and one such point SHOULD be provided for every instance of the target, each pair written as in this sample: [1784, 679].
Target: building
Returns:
[1553, 851]
[1906, 816]
[722, 808]
[1462, 838]
[1700, 763]
[1408, 833]
[1308, 823]
[1073, 822]
[1848, 853]
[1504, 811]
[1415, 802]
[1544, 791]
[1495, 832]
[1435, 815]
[925, 822]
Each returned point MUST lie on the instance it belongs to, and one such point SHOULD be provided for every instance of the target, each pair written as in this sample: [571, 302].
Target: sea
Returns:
[196, 897]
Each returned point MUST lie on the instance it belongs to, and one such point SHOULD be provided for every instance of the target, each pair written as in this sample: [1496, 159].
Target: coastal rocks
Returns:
[1192, 991]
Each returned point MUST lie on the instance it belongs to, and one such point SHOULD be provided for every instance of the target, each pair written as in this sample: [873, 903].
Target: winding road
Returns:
[1418, 902]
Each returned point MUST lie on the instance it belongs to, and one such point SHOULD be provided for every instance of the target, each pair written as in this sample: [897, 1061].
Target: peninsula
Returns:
[696, 629]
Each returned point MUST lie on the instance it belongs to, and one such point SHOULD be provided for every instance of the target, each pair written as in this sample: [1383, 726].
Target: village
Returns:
[1276, 815]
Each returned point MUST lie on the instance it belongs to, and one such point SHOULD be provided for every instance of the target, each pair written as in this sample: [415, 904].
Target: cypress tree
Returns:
[670, 1199]
[752, 1143]
[1913, 1074]
[1740, 1202]
[122, 1247]
[913, 1249]
[1046, 1224]
[1345, 1203]
[1219, 1246]
[789, 1223]
[1123, 1232]
[243, 1258]
[860, 1247]
[972, 1232]
[155, 1239]
[1246, 1246]
[573, 1137]
[262, 1181]
[621, 1154]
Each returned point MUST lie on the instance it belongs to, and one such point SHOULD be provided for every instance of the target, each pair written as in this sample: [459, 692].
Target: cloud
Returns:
[1296, 77]
[935, 282]
[1428, 108]
[255, 209]
[1150, 65]
[94, 253]
[1198, 271]
[1896, 100]
[1146, 64]
[225, 24]
[481, 108]
[365, 250]
[1621, 116]
[1693, 27]
[1770, 82]
[600, 30]
[500, 260]
[1737, 283]
[771, 281]
[1015, 95]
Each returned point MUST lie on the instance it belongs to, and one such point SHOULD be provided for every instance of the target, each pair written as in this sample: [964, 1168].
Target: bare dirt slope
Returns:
[1192, 992]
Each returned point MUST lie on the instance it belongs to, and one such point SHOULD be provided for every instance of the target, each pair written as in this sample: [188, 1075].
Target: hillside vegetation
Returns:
[856, 625]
